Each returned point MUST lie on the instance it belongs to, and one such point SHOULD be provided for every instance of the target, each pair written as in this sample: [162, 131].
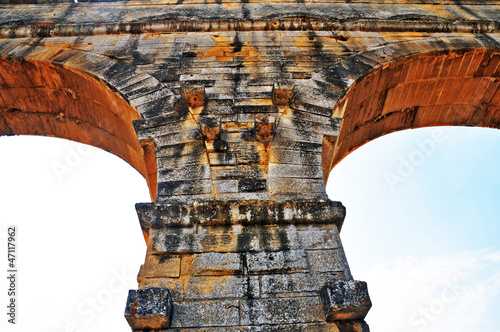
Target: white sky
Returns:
[424, 237]
[427, 239]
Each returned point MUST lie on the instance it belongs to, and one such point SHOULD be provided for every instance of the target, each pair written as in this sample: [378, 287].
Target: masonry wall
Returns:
[240, 110]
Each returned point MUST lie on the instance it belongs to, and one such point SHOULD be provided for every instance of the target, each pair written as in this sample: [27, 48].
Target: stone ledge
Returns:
[325, 23]
[149, 308]
[263, 212]
[345, 300]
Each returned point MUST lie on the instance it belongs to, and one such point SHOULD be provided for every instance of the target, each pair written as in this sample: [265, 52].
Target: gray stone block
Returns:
[281, 311]
[215, 263]
[307, 211]
[149, 308]
[297, 282]
[206, 314]
[280, 261]
[345, 300]
[328, 260]
[226, 186]
[247, 238]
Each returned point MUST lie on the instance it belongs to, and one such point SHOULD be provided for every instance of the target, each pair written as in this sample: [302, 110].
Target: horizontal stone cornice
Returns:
[38, 30]
[214, 213]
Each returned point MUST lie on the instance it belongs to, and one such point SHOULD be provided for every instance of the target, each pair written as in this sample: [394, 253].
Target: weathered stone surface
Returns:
[210, 127]
[254, 239]
[327, 260]
[177, 214]
[281, 311]
[221, 329]
[214, 263]
[278, 261]
[194, 288]
[161, 266]
[149, 308]
[252, 185]
[225, 159]
[297, 282]
[311, 327]
[345, 300]
[264, 127]
[226, 186]
[236, 112]
[282, 92]
[353, 326]
[206, 313]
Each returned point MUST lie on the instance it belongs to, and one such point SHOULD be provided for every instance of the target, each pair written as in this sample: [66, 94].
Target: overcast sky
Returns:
[422, 229]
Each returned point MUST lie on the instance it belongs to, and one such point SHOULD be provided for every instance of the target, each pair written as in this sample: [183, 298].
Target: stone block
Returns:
[328, 260]
[220, 287]
[225, 159]
[295, 171]
[294, 186]
[226, 186]
[345, 300]
[307, 327]
[206, 313]
[279, 261]
[296, 282]
[281, 311]
[352, 326]
[189, 172]
[248, 158]
[184, 187]
[165, 266]
[282, 156]
[193, 95]
[264, 127]
[252, 185]
[210, 127]
[149, 308]
[237, 126]
[240, 171]
[215, 264]
[247, 238]
[282, 93]
[221, 329]
[181, 149]
[203, 288]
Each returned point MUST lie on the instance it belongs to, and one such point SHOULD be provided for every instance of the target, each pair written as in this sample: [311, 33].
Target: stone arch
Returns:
[56, 91]
[412, 85]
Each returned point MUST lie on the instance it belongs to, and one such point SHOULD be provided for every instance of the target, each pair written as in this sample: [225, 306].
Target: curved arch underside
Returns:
[447, 89]
[40, 98]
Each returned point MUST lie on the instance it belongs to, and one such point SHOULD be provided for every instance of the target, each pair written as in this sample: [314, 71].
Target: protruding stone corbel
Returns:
[210, 127]
[345, 300]
[282, 93]
[193, 96]
[149, 308]
[264, 127]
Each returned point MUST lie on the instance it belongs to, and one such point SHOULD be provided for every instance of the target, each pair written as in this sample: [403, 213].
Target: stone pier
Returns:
[235, 112]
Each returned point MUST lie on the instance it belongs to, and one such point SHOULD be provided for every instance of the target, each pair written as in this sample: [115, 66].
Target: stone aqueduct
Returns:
[235, 112]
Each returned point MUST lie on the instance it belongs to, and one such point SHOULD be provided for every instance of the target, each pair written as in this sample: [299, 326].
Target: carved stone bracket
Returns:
[149, 308]
[345, 300]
